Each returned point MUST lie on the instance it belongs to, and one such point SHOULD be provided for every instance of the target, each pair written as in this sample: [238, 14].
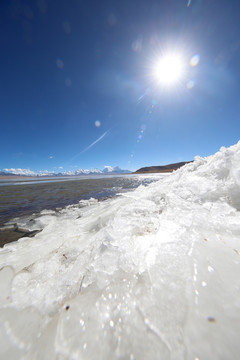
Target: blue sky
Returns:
[75, 72]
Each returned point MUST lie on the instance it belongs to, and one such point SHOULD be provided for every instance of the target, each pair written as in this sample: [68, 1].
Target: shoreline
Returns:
[22, 177]
[55, 194]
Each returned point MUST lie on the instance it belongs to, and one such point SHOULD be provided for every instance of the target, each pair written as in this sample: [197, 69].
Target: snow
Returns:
[80, 171]
[19, 171]
[115, 170]
[151, 274]
[108, 169]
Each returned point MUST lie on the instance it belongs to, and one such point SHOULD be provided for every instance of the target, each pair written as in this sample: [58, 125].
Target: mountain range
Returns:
[106, 170]
[28, 172]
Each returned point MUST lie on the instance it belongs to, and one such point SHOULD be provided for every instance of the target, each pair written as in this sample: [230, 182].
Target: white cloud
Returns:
[51, 157]
[20, 171]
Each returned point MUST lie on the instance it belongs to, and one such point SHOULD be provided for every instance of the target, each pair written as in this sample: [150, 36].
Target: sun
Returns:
[169, 69]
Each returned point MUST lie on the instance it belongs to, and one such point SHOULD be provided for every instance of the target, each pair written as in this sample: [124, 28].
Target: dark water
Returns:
[26, 198]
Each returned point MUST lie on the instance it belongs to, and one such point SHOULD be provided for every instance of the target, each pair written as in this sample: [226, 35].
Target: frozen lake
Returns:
[25, 196]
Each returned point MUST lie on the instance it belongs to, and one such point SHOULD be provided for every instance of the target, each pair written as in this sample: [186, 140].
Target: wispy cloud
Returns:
[87, 148]
[94, 143]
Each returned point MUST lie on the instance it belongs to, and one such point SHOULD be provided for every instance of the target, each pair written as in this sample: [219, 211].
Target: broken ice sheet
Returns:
[154, 271]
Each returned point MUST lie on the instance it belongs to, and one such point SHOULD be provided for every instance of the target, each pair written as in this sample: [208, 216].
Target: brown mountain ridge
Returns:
[162, 168]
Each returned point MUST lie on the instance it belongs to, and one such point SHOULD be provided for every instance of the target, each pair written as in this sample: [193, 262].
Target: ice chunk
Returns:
[6, 276]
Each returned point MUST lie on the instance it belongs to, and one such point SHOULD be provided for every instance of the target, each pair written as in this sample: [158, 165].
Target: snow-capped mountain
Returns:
[107, 170]
[117, 170]
[114, 170]
[27, 172]
[24, 172]
[82, 172]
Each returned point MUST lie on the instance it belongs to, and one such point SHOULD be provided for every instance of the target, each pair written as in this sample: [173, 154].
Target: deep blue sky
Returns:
[66, 64]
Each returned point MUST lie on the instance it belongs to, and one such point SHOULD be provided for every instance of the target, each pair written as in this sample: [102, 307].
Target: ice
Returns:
[6, 276]
[151, 274]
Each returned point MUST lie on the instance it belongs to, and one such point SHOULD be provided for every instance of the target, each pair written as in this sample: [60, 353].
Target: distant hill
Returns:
[163, 168]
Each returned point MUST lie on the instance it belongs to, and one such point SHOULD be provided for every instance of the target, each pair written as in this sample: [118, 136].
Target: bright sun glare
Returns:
[169, 69]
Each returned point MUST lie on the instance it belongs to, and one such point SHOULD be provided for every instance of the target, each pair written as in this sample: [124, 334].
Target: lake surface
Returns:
[27, 196]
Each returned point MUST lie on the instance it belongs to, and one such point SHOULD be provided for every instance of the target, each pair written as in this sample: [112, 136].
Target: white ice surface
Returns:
[152, 274]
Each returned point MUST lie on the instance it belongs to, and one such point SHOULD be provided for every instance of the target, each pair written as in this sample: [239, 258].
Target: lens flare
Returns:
[97, 123]
[195, 60]
[68, 82]
[60, 63]
[190, 84]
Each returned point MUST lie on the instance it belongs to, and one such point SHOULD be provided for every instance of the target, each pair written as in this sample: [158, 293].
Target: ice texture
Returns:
[151, 274]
